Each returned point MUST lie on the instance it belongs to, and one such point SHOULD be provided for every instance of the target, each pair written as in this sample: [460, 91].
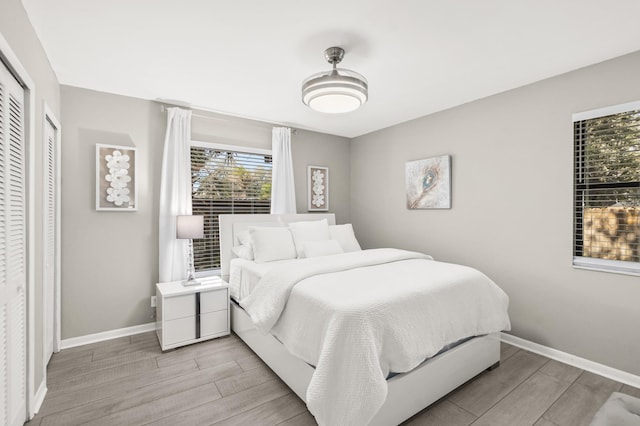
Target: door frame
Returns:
[11, 60]
[49, 116]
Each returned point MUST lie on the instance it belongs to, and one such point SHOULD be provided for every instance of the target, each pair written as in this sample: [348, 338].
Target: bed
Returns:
[404, 394]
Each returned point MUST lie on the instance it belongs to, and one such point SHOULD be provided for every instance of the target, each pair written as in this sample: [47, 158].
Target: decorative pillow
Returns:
[244, 238]
[270, 244]
[345, 236]
[322, 248]
[315, 230]
[243, 251]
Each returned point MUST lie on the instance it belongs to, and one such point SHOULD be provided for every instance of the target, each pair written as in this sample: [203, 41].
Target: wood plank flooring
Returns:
[129, 381]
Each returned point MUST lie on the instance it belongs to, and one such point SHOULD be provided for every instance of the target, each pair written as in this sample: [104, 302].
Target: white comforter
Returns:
[356, 324]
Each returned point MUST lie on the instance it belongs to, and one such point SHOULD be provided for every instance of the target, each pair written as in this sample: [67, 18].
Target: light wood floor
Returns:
[129, 381]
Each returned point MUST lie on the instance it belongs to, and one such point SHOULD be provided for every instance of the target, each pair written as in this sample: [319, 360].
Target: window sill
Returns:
[604, 265]
[208, 273]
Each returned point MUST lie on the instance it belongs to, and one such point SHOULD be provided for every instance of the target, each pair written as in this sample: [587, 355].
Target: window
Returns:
[607, 189]
[226, 179]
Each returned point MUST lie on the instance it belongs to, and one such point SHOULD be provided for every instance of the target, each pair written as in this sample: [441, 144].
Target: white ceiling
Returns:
[249, 57]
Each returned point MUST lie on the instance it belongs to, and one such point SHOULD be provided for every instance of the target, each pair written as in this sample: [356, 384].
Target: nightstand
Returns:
[186, 315]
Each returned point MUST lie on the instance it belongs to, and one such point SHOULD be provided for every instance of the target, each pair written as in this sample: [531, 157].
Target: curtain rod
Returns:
[266, 125]
[164, 108]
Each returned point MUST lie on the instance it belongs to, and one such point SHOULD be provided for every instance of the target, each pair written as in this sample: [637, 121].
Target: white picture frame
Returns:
[116, 185]
[317, 188]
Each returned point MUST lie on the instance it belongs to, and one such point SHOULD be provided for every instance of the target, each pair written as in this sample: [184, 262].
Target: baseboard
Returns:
[106, 335]
[576, 361]
[39, 396]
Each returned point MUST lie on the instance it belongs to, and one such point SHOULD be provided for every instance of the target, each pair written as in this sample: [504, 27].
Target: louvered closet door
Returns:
[50, 236]
[12, 252]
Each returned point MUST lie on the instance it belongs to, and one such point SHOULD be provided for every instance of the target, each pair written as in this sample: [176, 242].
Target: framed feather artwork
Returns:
[428, 183]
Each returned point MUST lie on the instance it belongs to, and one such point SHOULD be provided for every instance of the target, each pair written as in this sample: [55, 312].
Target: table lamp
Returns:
[190, 227]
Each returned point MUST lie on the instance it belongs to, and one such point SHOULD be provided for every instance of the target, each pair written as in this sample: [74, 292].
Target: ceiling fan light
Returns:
[336, 91]
[334, 103]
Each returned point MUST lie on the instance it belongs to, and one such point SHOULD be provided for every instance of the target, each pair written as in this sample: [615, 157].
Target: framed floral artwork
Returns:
[318, 188]
[116, 178]
[428, 183]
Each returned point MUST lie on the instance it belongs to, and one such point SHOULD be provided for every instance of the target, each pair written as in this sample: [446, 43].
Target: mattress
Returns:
[245, 274]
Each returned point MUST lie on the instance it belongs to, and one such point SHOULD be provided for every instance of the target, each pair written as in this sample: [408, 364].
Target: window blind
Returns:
[226, 182]
[607, 190]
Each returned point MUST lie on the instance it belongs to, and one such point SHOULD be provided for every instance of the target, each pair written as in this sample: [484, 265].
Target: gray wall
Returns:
[110, 259]
[512, 207]
[17, 30]
[317, 149]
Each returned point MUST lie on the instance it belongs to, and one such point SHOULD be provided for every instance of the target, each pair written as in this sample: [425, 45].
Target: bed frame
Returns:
[408, 393]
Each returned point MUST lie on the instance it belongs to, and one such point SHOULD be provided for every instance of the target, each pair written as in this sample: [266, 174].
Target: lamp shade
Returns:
[189, 227]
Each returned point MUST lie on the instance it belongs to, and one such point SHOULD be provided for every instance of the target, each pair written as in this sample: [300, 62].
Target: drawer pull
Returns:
[197, 315]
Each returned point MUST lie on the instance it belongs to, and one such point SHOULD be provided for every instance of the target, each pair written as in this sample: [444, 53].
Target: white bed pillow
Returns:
[345, 236]
[241, 231]
[270, 244]
[243, 251]
[322, 248]
[244, 238]
[315, 230]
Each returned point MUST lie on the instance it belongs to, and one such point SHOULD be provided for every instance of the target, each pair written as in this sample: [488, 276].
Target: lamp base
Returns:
[191, 279]
[191, 282]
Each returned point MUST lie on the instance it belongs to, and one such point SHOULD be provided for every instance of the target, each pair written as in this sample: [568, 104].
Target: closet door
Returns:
[13, 277]
[50, 219]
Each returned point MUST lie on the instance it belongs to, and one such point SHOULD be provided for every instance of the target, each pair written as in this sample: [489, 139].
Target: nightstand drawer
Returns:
[179, 330]
[213, 323]
[187, 315]
[211, 301]
[179, 307]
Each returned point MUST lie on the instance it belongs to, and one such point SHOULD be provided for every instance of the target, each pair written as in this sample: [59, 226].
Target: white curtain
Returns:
[175, 194]
[283, 191]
